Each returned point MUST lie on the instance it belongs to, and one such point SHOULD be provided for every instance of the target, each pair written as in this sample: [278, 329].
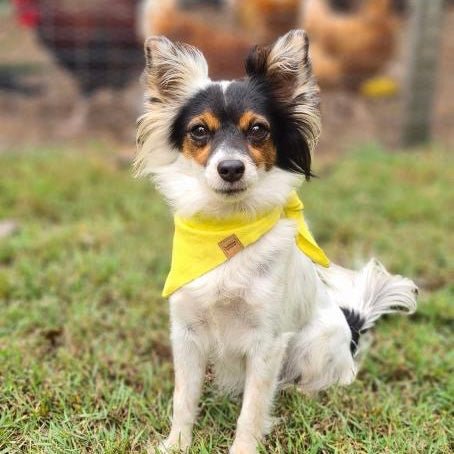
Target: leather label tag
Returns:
[231, 246]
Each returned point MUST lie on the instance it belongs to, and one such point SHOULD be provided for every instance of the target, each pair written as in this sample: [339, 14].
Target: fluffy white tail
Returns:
[370, 292]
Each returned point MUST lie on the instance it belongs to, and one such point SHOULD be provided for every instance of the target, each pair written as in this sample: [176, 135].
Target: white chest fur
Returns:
[252, 296]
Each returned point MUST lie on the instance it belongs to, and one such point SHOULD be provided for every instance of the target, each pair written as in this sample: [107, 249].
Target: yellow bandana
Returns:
[201, 244]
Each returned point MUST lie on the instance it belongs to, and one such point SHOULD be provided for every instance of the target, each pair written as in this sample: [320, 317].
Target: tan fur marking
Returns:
[265, 153]
[208, 119]
[248, 118]
[191, 149]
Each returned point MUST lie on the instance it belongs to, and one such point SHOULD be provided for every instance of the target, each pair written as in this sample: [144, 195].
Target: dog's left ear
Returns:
[286, 65]
[286, 70]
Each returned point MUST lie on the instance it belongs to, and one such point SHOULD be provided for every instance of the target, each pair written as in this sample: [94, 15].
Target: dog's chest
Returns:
[257, 266]
[236, 301]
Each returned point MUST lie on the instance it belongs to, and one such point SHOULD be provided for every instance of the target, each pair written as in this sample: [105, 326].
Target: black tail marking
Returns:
[355, 322]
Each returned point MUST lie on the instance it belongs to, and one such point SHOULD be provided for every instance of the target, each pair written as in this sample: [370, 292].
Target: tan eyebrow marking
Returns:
[208, 119]
[249, 117]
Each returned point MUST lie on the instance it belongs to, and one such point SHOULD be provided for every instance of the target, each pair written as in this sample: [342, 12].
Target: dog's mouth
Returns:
[230, 192]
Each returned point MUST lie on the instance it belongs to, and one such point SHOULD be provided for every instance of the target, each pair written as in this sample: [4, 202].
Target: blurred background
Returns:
[70, 70]
[85, 361]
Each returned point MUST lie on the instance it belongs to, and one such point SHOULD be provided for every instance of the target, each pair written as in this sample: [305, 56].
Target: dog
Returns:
[267, 316]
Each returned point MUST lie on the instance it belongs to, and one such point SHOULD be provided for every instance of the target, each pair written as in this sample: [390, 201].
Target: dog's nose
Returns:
[231, 170]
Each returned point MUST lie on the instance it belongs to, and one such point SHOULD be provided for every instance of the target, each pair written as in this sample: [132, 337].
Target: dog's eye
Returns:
[258, 132]
[199, 132]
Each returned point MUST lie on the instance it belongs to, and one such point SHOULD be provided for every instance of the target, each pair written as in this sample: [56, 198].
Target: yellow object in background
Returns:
[379, 87]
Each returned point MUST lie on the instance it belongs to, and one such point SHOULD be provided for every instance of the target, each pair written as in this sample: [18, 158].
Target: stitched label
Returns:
[231, 246]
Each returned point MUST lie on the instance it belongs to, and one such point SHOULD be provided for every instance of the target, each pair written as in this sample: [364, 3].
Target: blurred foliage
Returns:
[84, 350]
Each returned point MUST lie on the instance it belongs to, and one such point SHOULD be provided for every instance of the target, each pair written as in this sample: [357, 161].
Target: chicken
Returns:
[351, 40]
[224, 48]
[266, 20]
[348, 48]
[96, 42]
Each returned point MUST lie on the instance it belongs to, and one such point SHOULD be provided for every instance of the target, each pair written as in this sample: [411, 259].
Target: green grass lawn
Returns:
[85, 364]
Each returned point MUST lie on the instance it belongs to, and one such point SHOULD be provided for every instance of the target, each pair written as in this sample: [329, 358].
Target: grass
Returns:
[84, 355]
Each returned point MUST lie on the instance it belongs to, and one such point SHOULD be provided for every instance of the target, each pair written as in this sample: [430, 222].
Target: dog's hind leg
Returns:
[319, 355]
[348, 303]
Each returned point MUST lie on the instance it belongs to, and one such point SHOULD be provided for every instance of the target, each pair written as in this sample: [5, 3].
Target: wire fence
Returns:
[59, 55]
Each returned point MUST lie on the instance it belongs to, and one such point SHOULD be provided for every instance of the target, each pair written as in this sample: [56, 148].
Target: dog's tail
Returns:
[365, 295]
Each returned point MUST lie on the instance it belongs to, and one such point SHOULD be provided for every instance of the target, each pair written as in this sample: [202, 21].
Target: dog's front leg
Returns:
[262, 370]
[190, 364]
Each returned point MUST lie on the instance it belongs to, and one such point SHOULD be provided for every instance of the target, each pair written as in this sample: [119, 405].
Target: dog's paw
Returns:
[243, 447]
[171, 445]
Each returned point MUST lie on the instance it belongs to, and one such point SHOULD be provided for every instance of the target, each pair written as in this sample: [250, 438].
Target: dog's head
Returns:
[220, 146]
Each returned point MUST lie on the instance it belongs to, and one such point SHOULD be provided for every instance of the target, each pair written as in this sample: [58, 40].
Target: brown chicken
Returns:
[348, 48]
[224, 48]
[265, 20]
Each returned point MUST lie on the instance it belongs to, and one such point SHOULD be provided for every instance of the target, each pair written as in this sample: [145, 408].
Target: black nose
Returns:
[231, 170]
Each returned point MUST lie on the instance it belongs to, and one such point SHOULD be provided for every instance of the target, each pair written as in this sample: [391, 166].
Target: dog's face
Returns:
[226, 129]
[240, 145]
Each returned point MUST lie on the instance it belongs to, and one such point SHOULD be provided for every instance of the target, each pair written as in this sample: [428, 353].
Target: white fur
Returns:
[265, 319]
[372, 291]
[269, 316]
[185, 184]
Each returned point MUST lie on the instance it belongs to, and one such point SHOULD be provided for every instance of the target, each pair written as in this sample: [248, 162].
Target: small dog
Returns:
[266, 316]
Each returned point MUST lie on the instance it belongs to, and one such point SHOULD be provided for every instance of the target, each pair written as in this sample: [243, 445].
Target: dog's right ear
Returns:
[173, 71]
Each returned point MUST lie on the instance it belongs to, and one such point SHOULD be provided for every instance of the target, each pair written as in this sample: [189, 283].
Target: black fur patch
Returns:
[355, 322]
[256, 94]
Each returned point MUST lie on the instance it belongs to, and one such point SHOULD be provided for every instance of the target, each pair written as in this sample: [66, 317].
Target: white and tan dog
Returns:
[268, 316]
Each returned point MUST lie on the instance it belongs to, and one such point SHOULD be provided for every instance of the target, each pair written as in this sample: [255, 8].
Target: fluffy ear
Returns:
[173, 73]
[285, 68]
[285, 64]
